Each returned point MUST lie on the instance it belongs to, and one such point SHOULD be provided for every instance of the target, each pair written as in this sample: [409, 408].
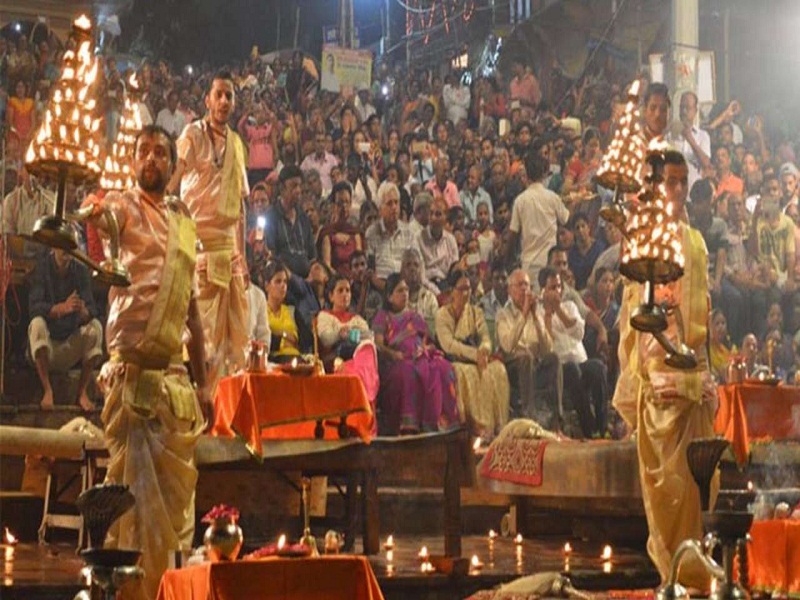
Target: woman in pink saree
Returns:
[418, 385]
[345, 339]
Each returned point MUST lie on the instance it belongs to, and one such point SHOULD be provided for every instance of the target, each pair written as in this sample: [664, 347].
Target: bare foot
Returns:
[47, 400]
[86, 404]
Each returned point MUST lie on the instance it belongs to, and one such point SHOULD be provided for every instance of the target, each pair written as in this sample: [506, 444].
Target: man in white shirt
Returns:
[694, 143]
[585, 381]
[321, 160]
[170, 118]
[422, 213]
[534, 370]
[21, 209]
[535, 217]
[258, 323]
[456, 99]
[388, 237]
[437, 246]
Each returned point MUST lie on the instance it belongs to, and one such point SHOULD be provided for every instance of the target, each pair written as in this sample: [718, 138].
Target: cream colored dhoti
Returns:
[222, 301]
[152, 452]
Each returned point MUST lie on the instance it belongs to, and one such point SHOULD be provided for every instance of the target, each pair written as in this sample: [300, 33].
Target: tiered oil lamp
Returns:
[652, 254]
[68, 144]
[118, 172]
[68, 147]
[621, 167]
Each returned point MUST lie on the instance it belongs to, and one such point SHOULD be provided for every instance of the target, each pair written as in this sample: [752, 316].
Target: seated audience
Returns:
[533, 368]
[64, 329]
[585, 379]
[388, 237]
[720, 350]
[420, 298]
[285, 340]
[365, 299]
[258, 323]
[288, 231]
[340, 239]
[418, 385]
[437, 246]
[585, 252]
[461, 331]
[345, 340]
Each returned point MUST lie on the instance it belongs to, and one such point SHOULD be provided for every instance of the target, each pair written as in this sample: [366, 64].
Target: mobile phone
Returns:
[363, 147]
[261, 223]
[418, 148]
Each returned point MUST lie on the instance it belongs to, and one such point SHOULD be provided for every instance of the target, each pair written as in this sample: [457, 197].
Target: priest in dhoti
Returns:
[212, 177]
[668, 407]
[152, 415]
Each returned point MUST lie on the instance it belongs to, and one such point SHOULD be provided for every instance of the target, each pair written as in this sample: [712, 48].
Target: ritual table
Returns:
[752, 412]
[330, 577]
[774, 557]
[274, 405]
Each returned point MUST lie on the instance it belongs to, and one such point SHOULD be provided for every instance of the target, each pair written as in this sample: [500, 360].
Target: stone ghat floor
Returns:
[35, 572]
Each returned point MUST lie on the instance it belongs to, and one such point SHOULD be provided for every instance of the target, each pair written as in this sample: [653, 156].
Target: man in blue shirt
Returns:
[64, 329]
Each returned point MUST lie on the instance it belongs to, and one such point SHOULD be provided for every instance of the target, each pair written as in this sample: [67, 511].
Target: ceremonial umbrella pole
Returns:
[67, 147]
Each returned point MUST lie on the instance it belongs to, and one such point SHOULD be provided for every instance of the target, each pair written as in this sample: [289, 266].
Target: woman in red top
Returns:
[340, 239]
[20, 121]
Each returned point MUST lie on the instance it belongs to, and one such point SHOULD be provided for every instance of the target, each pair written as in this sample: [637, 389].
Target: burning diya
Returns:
[118, 169]
[68, 145]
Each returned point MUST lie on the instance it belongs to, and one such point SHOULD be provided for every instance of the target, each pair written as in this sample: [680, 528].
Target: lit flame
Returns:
[294, 363]
[9, 538]
[423, 553]
[634, 89]
[83, 22]
[750, 486]
[606, 555]
[607, 567]
[567, 548]
[476, 445]
[281, 542]
[475, 562]
[390, 555]
[389, 543]
[518, 539]
[133, 82]
[492, 534]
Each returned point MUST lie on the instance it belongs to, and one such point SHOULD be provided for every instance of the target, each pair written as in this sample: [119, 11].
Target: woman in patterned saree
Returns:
[418, 385]
[483, 390]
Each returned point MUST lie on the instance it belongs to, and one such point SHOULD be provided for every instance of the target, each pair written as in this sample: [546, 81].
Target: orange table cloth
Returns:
[260, 406]
[751, 412]
[774, 557]
[324, 578]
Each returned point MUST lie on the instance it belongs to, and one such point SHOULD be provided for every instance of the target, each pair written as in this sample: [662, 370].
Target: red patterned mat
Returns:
[515, 460]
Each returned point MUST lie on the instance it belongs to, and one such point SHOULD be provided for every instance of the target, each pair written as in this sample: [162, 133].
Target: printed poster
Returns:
[345, 68]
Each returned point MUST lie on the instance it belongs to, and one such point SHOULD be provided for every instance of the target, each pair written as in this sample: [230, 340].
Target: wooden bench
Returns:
[440, 459]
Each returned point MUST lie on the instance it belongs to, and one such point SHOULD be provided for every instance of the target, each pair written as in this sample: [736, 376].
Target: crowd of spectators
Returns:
[456, 226]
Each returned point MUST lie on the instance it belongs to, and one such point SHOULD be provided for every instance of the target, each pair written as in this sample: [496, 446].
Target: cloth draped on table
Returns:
[419, 390]
[669, 408]
[153, 420]
[483, 397]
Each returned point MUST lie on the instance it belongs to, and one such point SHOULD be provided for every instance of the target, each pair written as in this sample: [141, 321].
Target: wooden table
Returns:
[424, 460]
[749, 412]
[259, 406]
[328, 577]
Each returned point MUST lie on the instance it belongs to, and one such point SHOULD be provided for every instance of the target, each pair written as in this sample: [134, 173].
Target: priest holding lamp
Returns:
[152, 415]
